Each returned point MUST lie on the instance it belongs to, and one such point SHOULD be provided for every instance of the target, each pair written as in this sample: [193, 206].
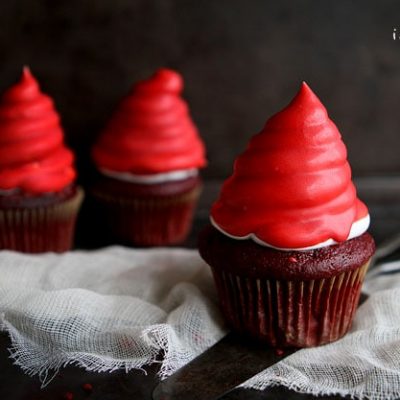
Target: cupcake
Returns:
[287, 243]
[148, 158]
[39, 199]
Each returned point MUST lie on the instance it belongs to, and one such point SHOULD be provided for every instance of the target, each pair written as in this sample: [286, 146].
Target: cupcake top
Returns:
[33, 157]
[291, 189]
[151, 137]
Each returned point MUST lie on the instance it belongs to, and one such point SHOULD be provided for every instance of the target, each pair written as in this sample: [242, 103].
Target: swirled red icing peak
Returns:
[292, 187]
[151, 132]
[33, 157]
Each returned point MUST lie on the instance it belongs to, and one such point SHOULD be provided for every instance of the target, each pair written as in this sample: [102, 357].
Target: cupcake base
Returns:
[287, 299]
[290, 313]
[148, 215]
[39, 224]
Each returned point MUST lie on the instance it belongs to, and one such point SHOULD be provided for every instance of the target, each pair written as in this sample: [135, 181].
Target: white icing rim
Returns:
[357, 229]
[177, 175]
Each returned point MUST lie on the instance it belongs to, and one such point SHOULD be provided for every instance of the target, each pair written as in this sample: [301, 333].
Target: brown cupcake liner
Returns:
[291, 313]
[40, 229]
[151, 221]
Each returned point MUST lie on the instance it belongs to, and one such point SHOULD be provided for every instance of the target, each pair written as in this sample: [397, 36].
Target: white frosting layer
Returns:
[357, 229]
[177, 175]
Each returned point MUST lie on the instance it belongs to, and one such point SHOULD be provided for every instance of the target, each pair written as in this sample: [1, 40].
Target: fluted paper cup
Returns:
[151, 220]
[290, 313]
[40, 229]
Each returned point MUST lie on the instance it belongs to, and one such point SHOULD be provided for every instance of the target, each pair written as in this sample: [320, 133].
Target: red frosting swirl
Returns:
[151, 132]
[33, 157]
[292, 186]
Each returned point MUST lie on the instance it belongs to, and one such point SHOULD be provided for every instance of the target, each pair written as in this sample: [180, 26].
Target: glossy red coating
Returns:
[292, 186]
[151, 131]
[33, 157]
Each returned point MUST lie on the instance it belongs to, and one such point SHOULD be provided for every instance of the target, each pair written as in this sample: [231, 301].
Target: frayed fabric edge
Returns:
[48, 371]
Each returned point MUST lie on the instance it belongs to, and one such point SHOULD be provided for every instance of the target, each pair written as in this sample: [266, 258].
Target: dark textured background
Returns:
[241, 60]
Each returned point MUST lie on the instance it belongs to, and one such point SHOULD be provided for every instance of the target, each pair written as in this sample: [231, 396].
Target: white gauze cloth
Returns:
[107, 309]
[119, 308]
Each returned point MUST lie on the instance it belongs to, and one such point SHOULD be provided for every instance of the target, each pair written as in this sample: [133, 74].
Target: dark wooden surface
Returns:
[383, 198]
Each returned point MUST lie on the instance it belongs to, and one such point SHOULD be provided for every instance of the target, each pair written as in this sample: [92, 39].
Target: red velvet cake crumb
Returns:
[87, 387]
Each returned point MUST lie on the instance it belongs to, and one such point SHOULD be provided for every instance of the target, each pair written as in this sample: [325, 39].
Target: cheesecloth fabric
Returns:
[120, 308]
[107, 309]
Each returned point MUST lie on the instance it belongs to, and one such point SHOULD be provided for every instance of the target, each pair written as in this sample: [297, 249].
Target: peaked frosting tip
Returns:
[163, 79]
[26, 72]
[305, 109]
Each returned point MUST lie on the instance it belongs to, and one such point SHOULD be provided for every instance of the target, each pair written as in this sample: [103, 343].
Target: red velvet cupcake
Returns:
[39, 200]
[148, 157]
[288, 245]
